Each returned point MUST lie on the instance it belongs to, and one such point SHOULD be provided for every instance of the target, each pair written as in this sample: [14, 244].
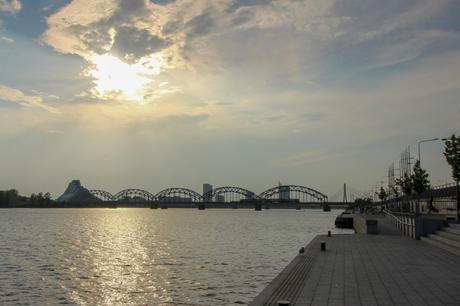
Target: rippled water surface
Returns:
[148, 257]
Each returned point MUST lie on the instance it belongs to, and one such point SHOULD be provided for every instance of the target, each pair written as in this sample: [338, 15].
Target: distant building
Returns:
[76, 193]
[283, 192]
[207, 188]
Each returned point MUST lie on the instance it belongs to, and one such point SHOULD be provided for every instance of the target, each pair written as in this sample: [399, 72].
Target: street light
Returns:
[420, 142]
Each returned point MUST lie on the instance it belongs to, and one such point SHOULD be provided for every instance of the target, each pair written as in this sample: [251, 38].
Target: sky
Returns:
[176, 93]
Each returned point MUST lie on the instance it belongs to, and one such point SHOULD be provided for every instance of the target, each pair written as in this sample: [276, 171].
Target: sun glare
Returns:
[113, 76]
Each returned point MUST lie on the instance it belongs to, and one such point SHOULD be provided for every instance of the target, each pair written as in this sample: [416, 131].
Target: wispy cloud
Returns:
[408, 47]
[10, 6]
[6, 39]
[398, 16]
[15, 95]
[44, 94]
[306, 158]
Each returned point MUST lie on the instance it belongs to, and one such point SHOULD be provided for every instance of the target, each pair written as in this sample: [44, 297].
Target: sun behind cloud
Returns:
[113, 77]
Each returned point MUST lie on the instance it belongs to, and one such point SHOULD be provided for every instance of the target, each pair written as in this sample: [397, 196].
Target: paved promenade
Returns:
[367, 270]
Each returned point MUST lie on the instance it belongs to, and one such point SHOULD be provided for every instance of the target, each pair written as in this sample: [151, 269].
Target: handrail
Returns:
[397, 219]
[408, 224]
[403, 214]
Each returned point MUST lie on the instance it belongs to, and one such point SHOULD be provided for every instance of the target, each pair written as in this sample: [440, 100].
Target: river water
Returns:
[148, 257]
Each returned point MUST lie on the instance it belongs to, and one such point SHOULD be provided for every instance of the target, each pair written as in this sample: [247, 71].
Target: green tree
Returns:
[405, 183]
[2, 199]
[9, 198]
[452, 154]
[40, 199]
[13, 197]
[394, 190]
[382, 194]
[33, 199]
[419, 179]
[363, 201]
[47, 198]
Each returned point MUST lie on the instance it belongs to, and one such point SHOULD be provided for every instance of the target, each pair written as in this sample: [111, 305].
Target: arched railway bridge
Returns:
[285, 193]
[134, 195]
[226, 194]
[229, 194]
[178, 195]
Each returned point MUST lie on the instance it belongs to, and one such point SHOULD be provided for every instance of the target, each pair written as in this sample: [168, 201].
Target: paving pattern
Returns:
[367, 270]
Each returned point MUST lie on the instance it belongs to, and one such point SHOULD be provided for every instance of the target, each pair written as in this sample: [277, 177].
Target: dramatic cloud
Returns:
[73, 28]
[15, 95]
[200, 36]
[10, 6]
[295, 90]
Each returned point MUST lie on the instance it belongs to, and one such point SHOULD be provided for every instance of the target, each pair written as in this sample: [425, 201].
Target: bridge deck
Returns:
[367, 270]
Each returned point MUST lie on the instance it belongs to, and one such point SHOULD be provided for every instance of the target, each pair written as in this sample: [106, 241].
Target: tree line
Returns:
[11, 198]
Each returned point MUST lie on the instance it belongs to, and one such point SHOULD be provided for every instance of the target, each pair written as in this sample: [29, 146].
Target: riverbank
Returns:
[358, 269]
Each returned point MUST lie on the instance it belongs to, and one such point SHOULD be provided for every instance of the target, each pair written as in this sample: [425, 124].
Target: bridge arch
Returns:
[291, 192]
[103, 195]
[134, 195]
[228, 194]
[177, 194]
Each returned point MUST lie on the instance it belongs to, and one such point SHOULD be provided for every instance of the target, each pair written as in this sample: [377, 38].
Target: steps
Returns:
[448, 235]
[448, 239]
[453, 230]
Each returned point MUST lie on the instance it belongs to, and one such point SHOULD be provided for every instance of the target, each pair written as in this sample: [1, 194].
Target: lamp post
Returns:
[419, 143]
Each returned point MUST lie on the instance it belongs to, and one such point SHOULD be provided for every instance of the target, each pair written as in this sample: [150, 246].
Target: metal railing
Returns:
[406, 223]
[442, 186]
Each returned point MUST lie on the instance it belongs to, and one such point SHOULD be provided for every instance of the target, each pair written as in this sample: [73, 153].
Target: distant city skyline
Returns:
[159, 93]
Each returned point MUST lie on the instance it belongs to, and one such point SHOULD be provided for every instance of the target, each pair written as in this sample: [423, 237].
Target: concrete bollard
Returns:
[284, 303]
[323, 245]
[329, 233]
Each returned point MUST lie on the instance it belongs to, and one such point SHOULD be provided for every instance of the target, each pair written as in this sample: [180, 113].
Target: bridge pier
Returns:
[201, 206]
[258, 206]
[154, 206]
[164, 206]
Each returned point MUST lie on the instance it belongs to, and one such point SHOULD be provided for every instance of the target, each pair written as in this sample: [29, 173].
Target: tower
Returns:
[207, 188]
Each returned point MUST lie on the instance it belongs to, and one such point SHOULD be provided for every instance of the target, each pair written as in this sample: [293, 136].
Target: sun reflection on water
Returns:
[121, 263]
[143, 256]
